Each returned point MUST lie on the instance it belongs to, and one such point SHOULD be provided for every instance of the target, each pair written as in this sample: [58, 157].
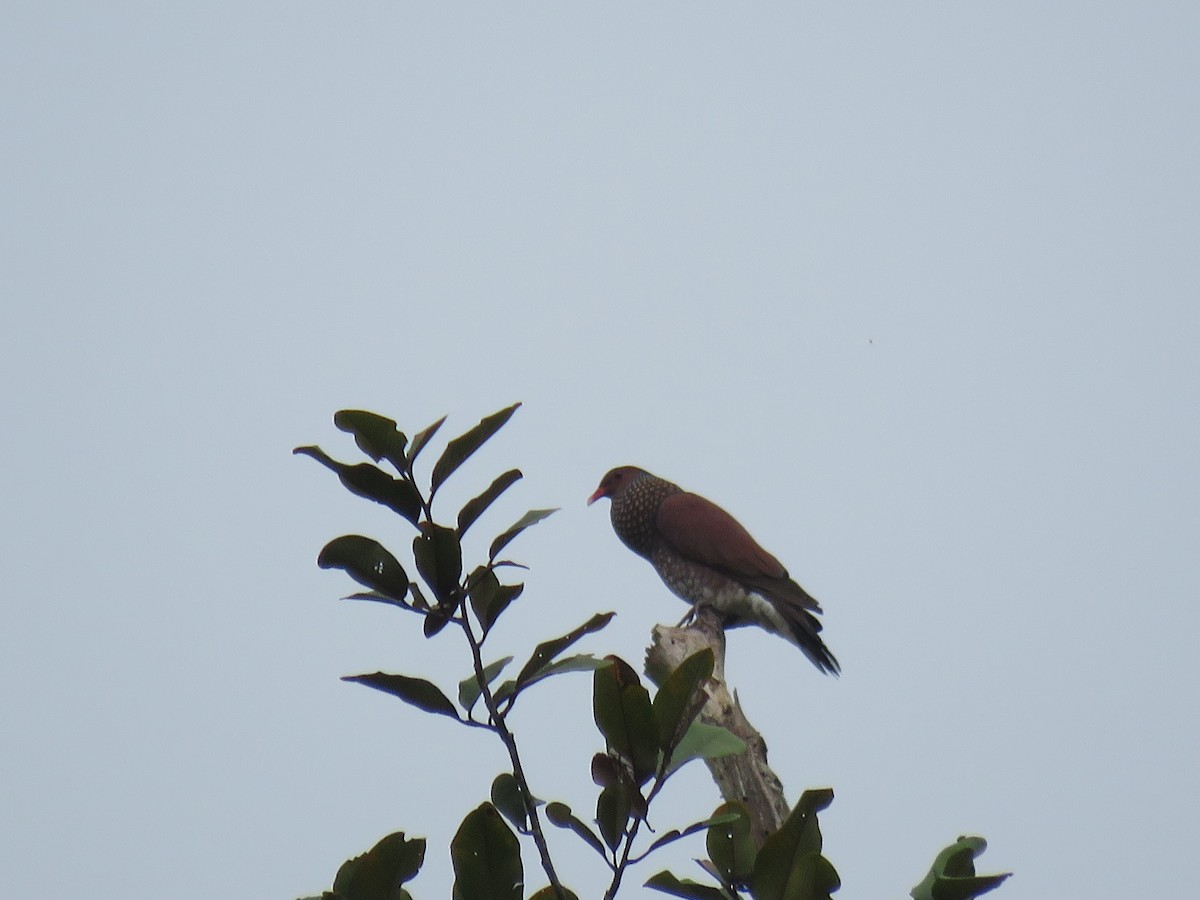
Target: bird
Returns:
[705, 556]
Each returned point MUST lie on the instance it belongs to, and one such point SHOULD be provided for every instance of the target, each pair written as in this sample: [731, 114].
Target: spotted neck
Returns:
[635, 512]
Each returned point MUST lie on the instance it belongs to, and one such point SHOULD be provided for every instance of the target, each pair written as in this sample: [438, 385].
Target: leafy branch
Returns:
[445, 593]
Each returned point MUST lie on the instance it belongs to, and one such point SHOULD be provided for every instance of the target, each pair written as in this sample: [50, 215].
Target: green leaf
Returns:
[506, 797]
[476, 507]
[368, 562]
[953, 877]
[808, 877]
[375, 435]
[731, 845]
[703, 741]
[669, 884]
[417, 691]
[469, 689]
[530, 518]
[802, 822]
[580, 662]
[789, 864]
[398, 494]
[378, 873]
[460, 449]
[486, 858]
[621, 707]
[612, 813]
[545, 652]
[560, 815]
[680, 699]
[439, 560]
[421, 438]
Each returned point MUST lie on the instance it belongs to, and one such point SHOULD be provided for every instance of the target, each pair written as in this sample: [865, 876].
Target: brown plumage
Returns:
[707, 558]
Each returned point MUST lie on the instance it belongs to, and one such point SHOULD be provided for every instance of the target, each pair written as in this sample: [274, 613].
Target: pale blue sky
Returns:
[912, 289]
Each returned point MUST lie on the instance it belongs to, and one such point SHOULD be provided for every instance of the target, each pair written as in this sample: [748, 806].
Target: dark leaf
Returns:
[376, 597]
[548, 893]
[675, 834]
[605, 770]
[546, 651]
[486, 858]
[621, 707]
[680, 698]
[375, 435]
[810, 803]
[475, 508]
[439, 560]
[460, 449]
[953, 877]
[418, 599]
[560, 814]
[789, 864]
[612, 813]
[504, 692]
[703, 741]
[437, 618]
[504, 597]
[397, 494]
[420, 693]
[469, 689]
[731, 845]
[368, 562]
[489, 598]
[530, 518]
[807, 877]
[421, 438]
[669, 884]
[378, 873]
[506, 797]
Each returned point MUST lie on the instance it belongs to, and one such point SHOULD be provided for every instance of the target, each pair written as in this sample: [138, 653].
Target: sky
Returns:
[911, 289]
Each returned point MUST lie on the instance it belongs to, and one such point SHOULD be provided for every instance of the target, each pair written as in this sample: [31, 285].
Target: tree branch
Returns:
[746, 777]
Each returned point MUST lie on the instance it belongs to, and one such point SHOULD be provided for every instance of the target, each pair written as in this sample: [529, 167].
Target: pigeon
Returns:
[707, 558]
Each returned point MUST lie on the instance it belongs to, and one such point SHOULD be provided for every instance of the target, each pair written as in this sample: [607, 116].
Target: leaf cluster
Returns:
[788, 866]
[646, 741]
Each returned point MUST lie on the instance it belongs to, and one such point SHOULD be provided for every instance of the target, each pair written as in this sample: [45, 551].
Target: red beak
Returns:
[596, 496]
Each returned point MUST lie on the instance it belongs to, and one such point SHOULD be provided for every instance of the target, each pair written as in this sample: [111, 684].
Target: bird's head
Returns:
[616, 481]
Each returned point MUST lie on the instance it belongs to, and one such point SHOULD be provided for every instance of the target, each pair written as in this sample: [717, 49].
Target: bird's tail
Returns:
[788, 610]
[804, 631]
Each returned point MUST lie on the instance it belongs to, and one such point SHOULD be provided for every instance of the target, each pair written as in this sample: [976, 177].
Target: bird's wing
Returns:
[701, 531]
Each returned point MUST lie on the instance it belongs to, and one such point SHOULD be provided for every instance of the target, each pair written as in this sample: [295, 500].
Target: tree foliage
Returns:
[645, 738]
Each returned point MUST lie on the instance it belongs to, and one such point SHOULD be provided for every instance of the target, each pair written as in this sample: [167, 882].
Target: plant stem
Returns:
[619, 869]
[510, 744]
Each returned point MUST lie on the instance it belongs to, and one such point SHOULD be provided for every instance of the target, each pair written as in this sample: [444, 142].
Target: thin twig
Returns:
[510, 744]
[623, 863]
